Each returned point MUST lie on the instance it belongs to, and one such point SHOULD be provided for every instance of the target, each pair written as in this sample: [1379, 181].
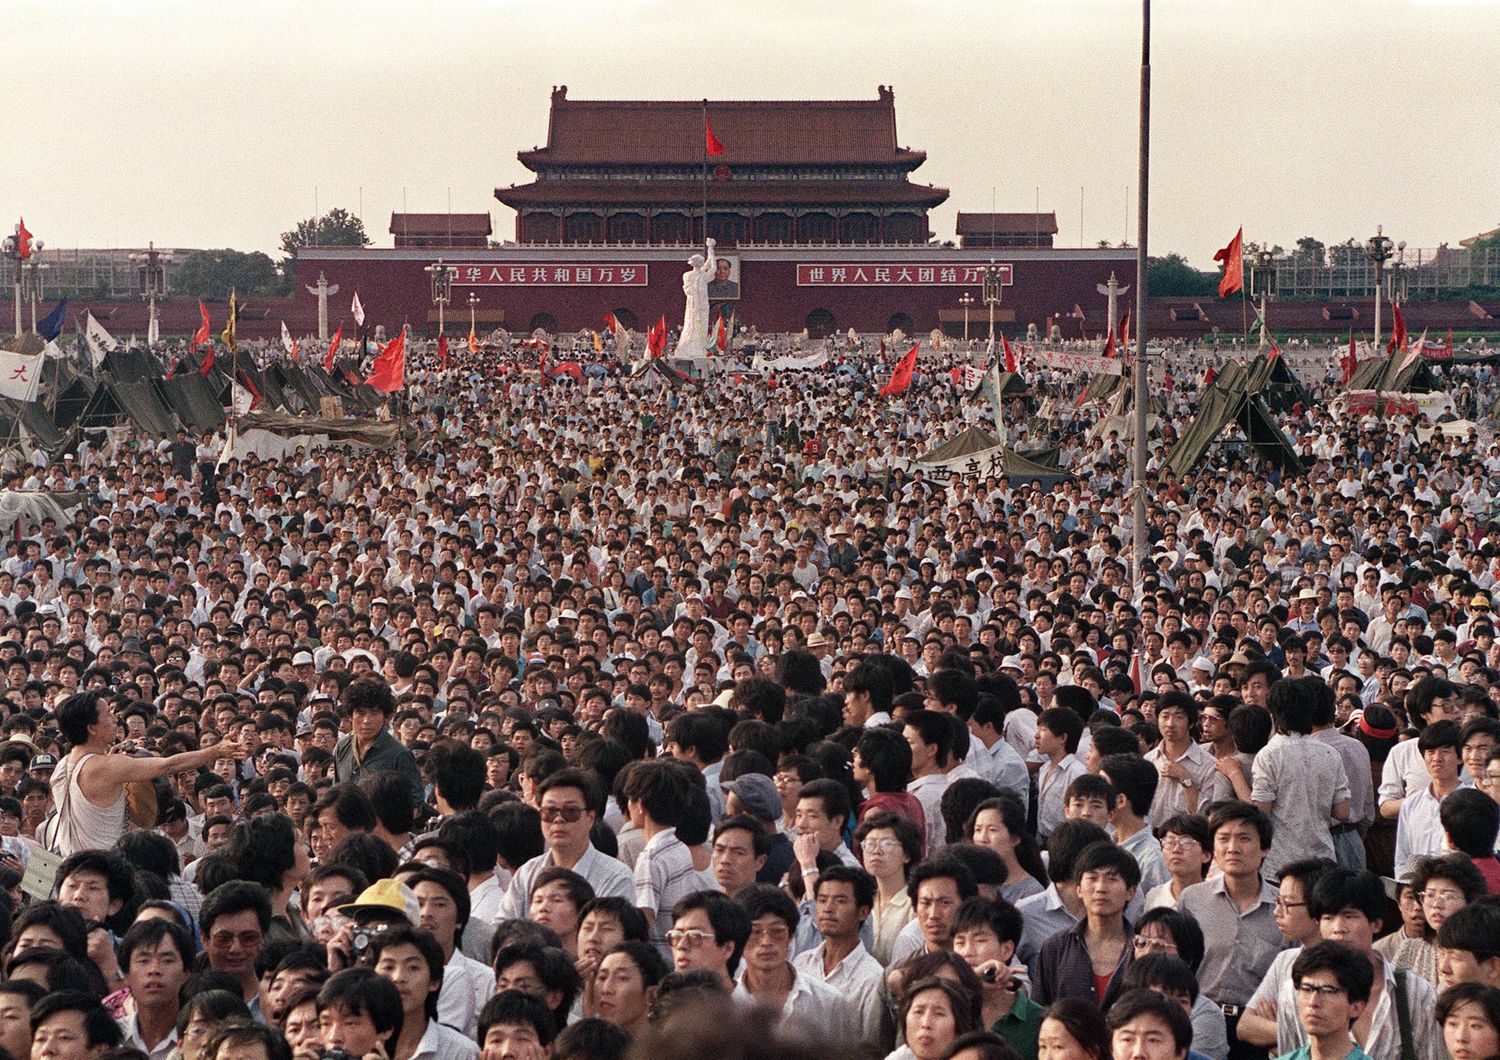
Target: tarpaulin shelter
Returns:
[28, 423]
[976, 451]
[1282, 387]
[193, 399]
[1234, 399]
[1395, 374]
[274, 435]
[656, 368]
[31, 507]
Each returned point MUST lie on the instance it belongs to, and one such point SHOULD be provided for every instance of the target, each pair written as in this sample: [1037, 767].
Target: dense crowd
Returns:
[669, 718]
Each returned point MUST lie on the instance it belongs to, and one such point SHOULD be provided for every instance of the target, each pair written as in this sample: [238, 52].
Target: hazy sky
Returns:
[207, 124]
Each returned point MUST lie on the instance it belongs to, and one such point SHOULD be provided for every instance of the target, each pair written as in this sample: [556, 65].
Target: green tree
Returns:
[1311, 248]
[212, 274]
[336, 228]
[1172, 275]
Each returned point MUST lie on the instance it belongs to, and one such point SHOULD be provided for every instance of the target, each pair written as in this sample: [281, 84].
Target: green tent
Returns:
[1388, 375]
[1234, 398]
[967, 452]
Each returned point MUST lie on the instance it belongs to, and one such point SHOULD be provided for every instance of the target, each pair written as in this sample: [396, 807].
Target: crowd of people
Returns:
[620, 717]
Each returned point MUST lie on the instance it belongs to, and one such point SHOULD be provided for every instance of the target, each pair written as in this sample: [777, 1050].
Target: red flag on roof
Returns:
[1234, 265]
[389, 374]
[901, 377]
[710, 141]
[333, 349]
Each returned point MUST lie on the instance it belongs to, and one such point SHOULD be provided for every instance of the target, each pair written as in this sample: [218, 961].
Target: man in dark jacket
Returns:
[370, 747]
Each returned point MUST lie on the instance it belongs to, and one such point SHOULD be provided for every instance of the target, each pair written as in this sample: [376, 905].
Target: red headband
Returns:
[1374, 733]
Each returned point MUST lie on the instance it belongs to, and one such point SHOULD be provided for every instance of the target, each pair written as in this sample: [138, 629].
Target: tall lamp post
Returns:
[1396, 285]
[17, 255]
[442, 287]
[35, 270]
[966, 300]
[473, 304]
[1378, 247]
[992, 292]
[152, 267]
[1263, 286]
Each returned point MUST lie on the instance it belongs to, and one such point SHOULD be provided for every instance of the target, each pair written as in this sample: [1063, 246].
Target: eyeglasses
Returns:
[1282, 903]
[1179, 842]
[570, 814]
[1443, 897]
[688, 939]
[1157, 944]
[1319, 989]
[882, 846]
[772, 932]
[248, 939]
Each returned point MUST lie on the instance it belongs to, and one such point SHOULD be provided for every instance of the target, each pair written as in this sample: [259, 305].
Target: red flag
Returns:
[1125, 330]
[610, 322]
[255, 398]
[204, 332]
[23, 241]
[710, 141]
[721, 340]
[208, 363]
[1350, 362]
[1110, 350]
[333, 349]
[901, 377]
[1011, 364]
[661, 338]
[442, 350]
[1234, 265]
[389, 374]
[1399, 339]
[1209, 376]
[1135, 670]
[1275, 352]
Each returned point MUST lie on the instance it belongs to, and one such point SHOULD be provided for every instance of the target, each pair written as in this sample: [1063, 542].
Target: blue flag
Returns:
[52, 326]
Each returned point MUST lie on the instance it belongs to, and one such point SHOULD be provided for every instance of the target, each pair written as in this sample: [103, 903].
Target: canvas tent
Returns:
[1234, 400]
[1395, 375]
[976, 451]
[1282, 388]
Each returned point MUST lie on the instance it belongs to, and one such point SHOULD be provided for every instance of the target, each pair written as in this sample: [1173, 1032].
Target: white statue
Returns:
[692, 341]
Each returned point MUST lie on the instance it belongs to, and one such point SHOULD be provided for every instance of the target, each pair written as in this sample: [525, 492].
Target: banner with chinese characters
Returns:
[1081, 362]
[19, 375]
[897, 274]
[572, 274]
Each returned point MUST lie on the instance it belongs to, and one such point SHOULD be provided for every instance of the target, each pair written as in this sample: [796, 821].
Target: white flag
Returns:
[972, 378]
[20, 375]
[286, 337]
[153, 332]
[100, 341]
[240, 399]
[54, 350]
[358, 311]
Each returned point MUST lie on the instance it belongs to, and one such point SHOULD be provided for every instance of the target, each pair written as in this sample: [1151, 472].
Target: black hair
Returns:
[476, 835]
[76, 714]
[1084, 1023]
[119, 879]
[874, 679]
[425, 943]
[64, 971]
[150, 852]
[1185, 932]
[1097, 857]
[248, 1032]
[264, 849]
[903, 829]
[368, 853]
[1063, 722]
[1066, 843]
[1229, 812]
[1486, 997]
[98, 1024]
[999, 916]
[519, 833]
[150, 933]
[1351, 968]
[1457, 869]
[456, 887]
[887, 755]
[632, 920]
[660, 787]
[215, 1006]
[956, 688]
[350, 805]
[1164, 972]
[64, 921]
[764, 899]
[392, 799]
[457, 772]
[580, 892]
[833, 796]
[942, 867]
[236, 896]
[646, 957]
[591, 1038]
[361, 991]
[1438, 735]
[1471, 820]
[1134, 777]
[552, 966]
[1342, 888]
[1474, 927]
[859, 880]
[1134, 1003]
[934, 728]
[510, 1007]
[1294, 704]
[729, 919]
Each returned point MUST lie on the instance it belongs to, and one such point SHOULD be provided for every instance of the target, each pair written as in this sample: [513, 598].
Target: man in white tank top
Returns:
[88, 786]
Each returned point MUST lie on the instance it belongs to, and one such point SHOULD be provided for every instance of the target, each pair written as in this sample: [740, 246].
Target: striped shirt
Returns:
[664, 875]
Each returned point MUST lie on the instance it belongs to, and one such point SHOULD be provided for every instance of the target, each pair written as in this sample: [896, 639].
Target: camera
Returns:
[990, 975]
[359, 942]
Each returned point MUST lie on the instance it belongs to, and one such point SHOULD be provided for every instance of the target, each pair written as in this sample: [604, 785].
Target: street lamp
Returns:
[1397, 284]
[442, 286]
[34, 271]
[1263, 284]
[16, 254]
[966, 300]
[473, 304]
[1378, 247]
[992, 292]
[152, 267]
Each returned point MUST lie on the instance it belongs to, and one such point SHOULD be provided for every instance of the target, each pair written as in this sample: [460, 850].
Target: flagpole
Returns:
[704, 169]
[1138, 521]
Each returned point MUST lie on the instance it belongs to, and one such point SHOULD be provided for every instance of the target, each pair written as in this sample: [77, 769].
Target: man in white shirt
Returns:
[929, 735]
[805, 1008]
[844, 897]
